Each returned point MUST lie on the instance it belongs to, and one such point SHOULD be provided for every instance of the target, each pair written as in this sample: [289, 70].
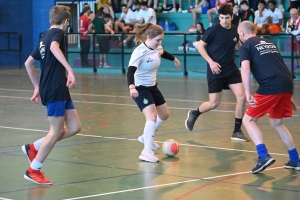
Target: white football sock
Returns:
[37, 144]
[159, 122]
[36, 165]
[148, 135]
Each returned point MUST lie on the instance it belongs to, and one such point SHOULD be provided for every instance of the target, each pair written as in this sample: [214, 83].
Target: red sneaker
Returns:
[190, 10]
[29, 151]
[36, 176]
[192, 29]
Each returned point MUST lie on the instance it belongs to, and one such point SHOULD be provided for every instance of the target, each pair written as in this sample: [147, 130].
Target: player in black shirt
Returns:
[261, 57]
[53, 89]
[217, 47]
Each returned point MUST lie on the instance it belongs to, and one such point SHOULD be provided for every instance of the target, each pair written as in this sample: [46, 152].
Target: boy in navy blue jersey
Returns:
[53, 89]
[222, 72]
[261, 57]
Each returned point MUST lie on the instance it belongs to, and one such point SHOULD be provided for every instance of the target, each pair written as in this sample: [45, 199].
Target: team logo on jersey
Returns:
[235, 39]
[266, 47]
[42, 49]
[145, 101]
[149, 60]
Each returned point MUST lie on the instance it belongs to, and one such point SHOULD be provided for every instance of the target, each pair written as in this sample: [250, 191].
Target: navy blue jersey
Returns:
[267, 66]
[221, 44]
[53, 78]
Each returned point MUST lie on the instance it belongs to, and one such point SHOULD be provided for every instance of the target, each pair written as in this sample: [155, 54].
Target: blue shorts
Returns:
[58, 108]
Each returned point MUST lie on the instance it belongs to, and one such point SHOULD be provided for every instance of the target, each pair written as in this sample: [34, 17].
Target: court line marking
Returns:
[1, 198]
[132, 105]
[167, 184]
[119, 138]
[118, 104]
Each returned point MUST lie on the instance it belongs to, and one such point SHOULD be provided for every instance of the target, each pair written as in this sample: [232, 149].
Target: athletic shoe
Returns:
[292, 165]
[262, 163]
[184, 11]
[100, 65]
[190, 10]
[106, 66]
[36, 176]
[192, 29]
[155, 146]
[148, 156]
[190, 120]
[173, 10]
[29, 151]
[179, 10]
[239, 136]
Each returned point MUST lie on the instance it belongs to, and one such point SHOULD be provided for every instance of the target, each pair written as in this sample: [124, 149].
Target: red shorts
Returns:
[277, 105]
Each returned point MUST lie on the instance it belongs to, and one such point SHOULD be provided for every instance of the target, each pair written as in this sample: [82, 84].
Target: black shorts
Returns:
[219, 84]
[103, 44]
[147, 96]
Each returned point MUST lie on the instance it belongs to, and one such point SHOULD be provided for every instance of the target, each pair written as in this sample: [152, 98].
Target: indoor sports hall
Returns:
[101, 162]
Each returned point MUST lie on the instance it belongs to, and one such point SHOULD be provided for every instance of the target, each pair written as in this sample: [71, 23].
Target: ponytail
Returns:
[145, 30]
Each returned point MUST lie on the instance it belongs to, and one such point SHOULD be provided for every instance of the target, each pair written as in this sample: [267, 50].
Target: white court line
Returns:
[1, 198]
[135, 189]
[114, 96]
[117, 138]
[163, 185]
[117, 104]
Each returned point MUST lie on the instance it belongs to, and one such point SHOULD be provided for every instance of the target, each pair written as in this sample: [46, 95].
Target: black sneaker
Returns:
[190, 120]
[262, 163]
[239, 136]
[292, 165]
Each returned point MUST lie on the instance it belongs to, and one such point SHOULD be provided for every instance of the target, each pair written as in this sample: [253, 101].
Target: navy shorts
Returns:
[58, 108]
[147, 96]
[219, 84]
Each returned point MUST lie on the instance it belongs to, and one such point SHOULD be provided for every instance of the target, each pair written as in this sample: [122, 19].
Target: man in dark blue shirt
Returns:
[217, 47]
[261, 57]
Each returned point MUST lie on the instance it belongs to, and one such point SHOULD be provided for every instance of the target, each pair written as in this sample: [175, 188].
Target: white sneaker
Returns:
[179, 10]
[173, 10]
[155, 146]
[106, 66]
[148, 156]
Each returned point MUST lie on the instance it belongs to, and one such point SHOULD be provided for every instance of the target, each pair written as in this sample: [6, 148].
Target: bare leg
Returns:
[239, 92]
[214, 101]
[283, 132]
[253, 130]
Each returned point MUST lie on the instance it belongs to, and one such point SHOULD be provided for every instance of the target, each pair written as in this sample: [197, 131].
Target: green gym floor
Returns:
[101, 162]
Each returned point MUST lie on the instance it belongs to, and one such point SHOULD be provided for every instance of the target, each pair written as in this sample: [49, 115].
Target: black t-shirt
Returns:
[53, 76]
[220, 47]
[267, 66]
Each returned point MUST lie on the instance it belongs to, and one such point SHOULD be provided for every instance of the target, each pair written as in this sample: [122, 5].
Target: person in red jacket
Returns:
[84, 22]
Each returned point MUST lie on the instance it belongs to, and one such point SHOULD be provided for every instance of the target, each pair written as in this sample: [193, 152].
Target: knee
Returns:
[275, 123]
[214, 104]
[165, 116]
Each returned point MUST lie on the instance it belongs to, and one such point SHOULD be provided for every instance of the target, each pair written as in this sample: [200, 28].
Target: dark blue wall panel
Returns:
[15, 16]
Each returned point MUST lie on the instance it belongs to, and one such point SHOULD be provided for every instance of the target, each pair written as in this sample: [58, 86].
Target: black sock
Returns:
[237, 125]
[196, 113]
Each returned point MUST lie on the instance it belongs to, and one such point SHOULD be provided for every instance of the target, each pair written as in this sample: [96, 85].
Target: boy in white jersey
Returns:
[143, 66]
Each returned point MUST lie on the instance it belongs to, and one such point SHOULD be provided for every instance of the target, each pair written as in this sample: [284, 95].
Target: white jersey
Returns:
[259, 21]
[276, 15]
[148, 13]
[138, 14]
[127, 16]
[147, 62]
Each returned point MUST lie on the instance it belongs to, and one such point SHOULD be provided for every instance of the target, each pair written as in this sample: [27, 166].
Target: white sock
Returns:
[155, 6]
[148, 135]
[165, 6]
[159, 122]
[191, 6]
[210, 24]
[36, 165]
[37, 144]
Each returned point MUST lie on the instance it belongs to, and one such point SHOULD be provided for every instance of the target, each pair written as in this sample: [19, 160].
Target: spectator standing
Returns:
[247, 13]
[84, 22]
[292, 27]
